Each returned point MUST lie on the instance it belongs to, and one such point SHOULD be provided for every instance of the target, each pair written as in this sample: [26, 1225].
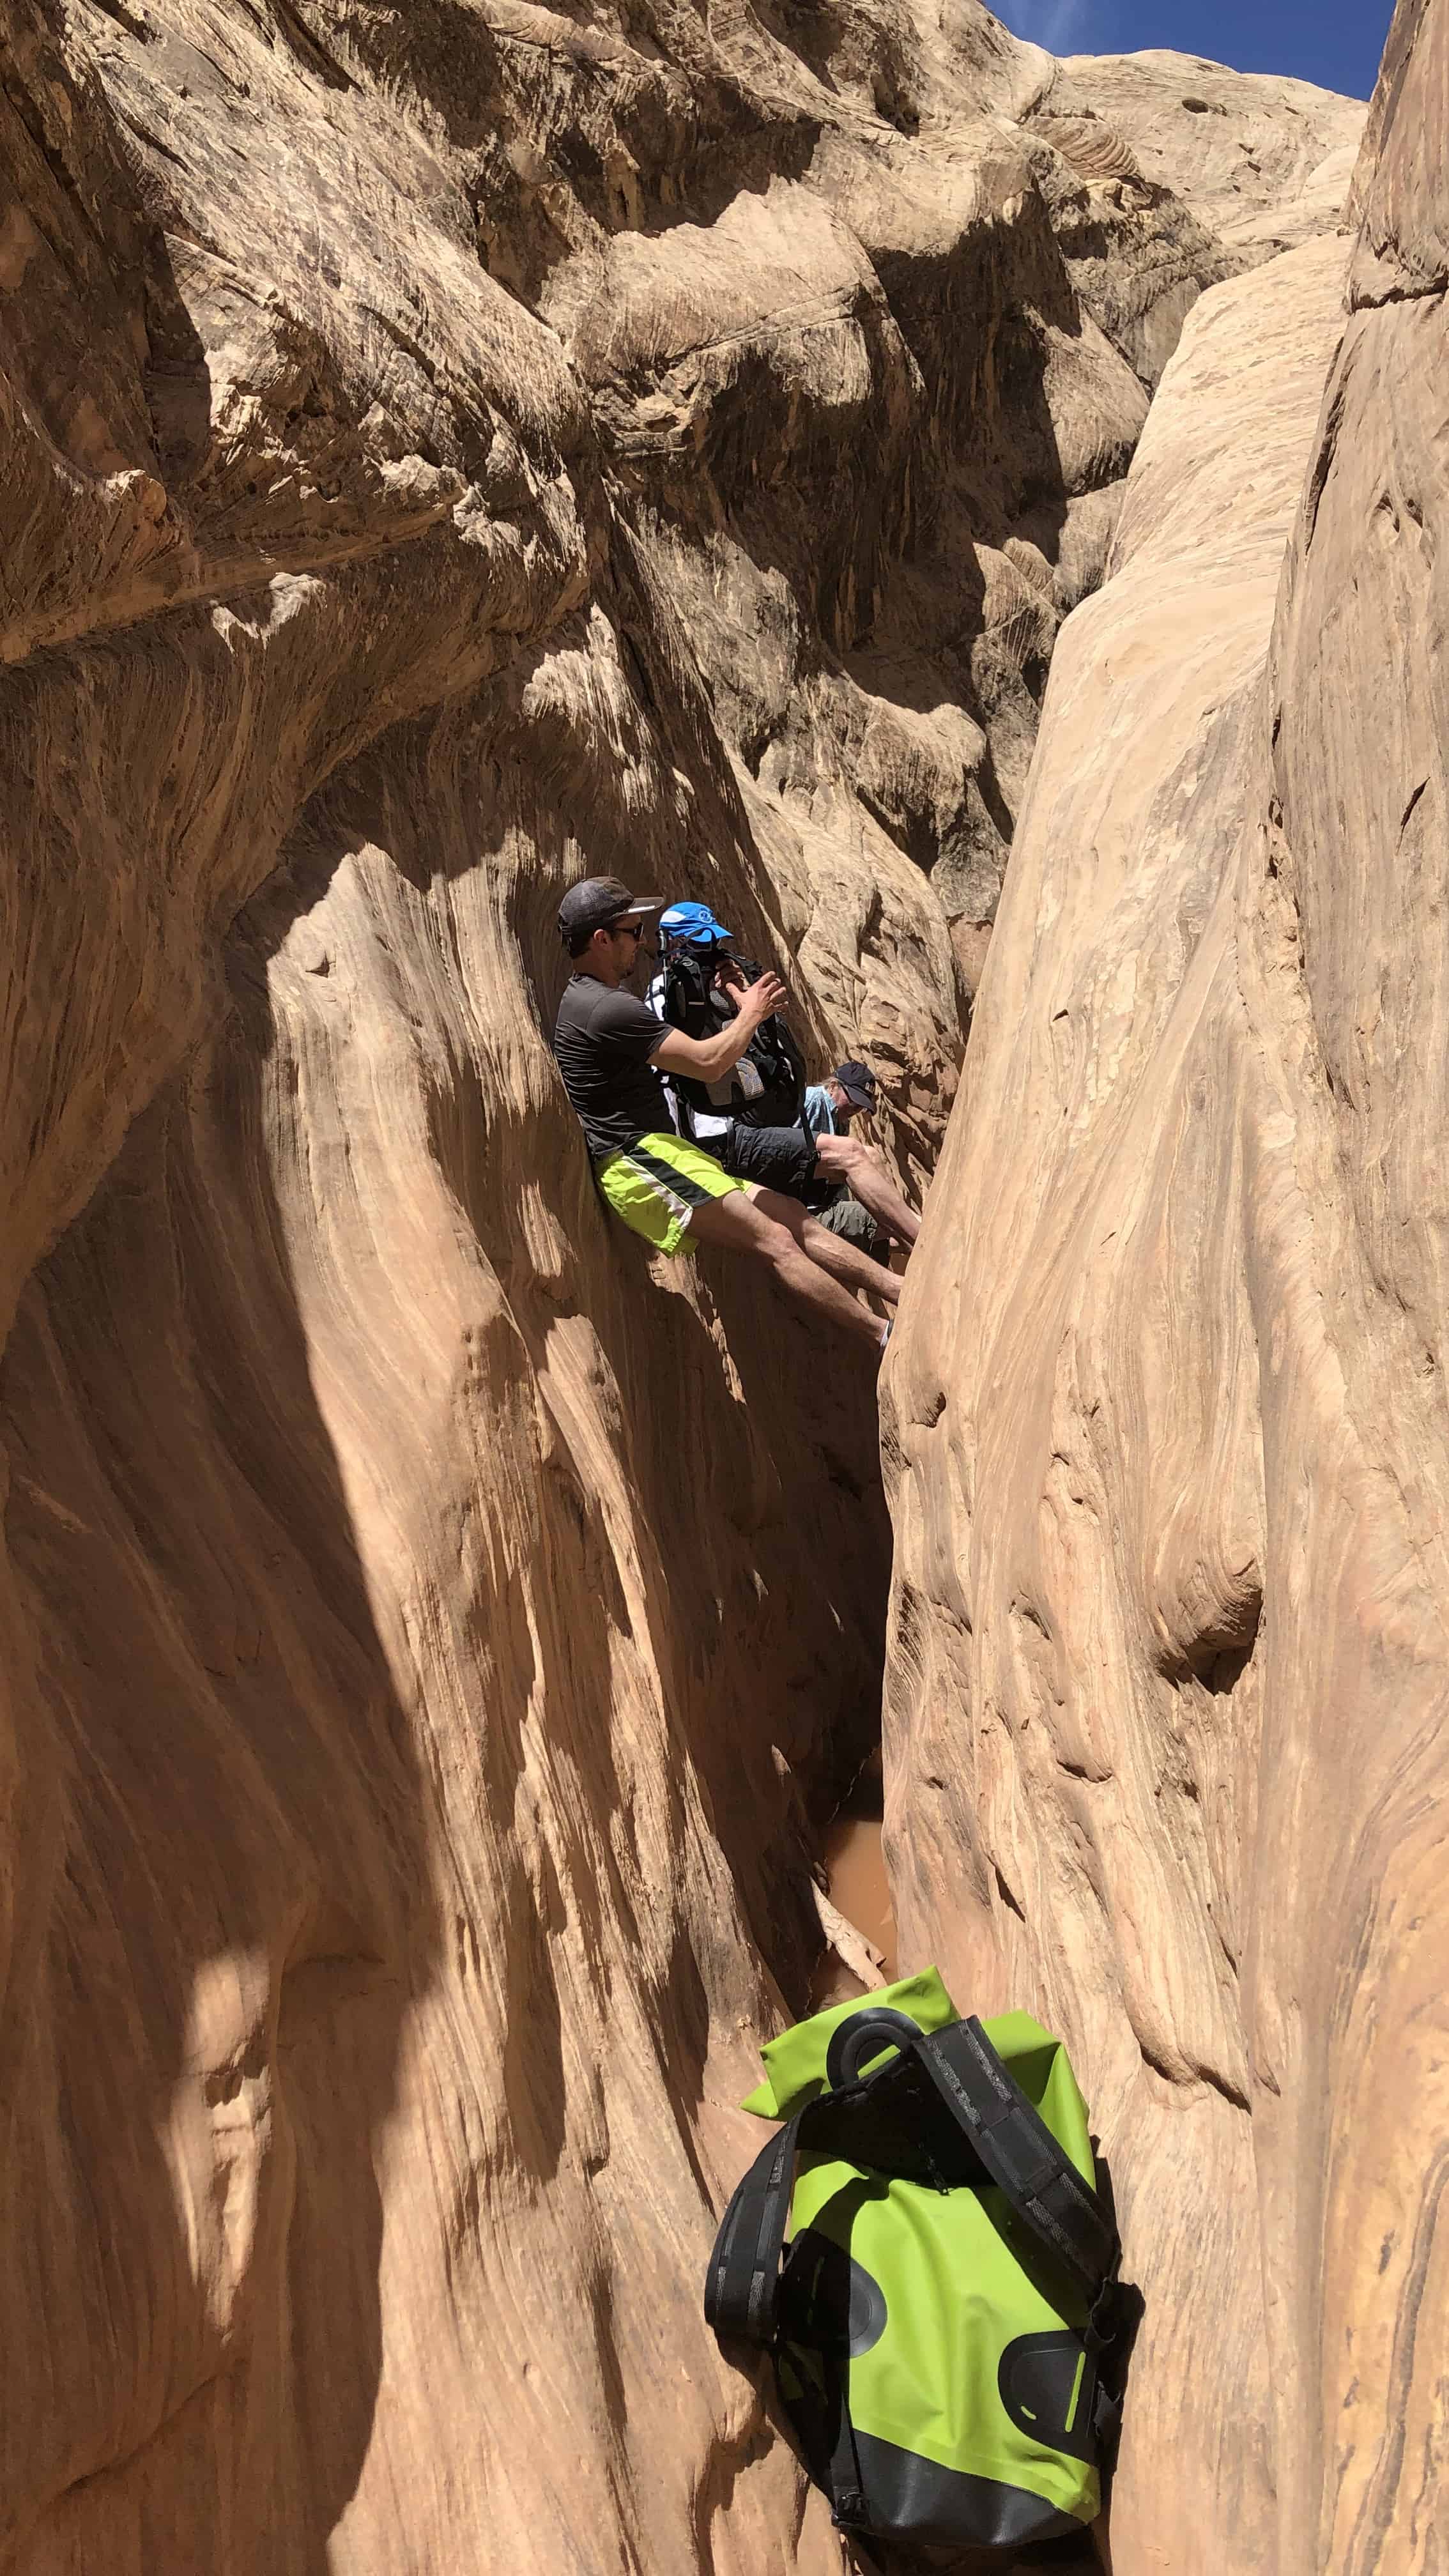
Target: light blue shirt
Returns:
[819, 1110]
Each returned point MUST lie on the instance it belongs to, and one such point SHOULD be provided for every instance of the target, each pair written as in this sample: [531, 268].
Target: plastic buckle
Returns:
[849, 2509]
[1103, 2323]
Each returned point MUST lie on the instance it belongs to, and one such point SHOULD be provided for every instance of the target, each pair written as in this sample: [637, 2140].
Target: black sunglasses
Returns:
[630, 929]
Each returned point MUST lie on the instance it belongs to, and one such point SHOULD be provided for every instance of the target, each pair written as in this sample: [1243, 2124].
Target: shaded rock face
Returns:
[1165, 1754]
[448, 450]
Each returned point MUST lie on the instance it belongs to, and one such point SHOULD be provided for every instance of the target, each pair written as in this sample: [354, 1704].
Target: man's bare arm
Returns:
[710, 1059]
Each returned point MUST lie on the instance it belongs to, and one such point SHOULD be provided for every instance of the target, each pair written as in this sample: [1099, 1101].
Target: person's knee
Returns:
[776, 1244]
[772, 1207]
[773, 1243]
[747, 1224]
[852, 1159]
[730, 1222]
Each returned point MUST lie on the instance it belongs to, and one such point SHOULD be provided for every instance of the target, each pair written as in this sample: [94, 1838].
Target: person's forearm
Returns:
[844, 1158]
[707, 1059]
[725, 1050]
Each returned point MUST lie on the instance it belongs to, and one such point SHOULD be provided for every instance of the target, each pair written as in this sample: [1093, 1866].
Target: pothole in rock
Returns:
[857, 1888]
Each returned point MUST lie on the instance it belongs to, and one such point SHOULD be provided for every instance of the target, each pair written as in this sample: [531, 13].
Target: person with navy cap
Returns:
[611, 1049]
[847, 1093]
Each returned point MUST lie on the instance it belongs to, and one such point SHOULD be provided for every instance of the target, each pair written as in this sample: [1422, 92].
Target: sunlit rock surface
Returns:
[448, 449]
[1264, 163]
[1165, 1753]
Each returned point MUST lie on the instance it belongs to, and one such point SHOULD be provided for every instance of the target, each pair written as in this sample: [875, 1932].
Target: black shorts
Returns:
[778, 1158]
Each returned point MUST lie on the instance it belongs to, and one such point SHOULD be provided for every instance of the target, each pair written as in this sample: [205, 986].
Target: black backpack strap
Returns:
[1012, 2141]
[821, 2418]
[741, 2295]
[1022, 2157]
[744, 2270]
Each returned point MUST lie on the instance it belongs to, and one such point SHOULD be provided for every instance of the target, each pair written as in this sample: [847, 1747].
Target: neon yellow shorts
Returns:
[657, 1185]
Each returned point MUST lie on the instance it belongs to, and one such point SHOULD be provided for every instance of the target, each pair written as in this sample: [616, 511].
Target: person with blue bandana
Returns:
[762, 1121]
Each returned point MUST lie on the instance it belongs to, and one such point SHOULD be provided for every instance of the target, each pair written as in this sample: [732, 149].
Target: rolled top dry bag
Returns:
[924, 2251]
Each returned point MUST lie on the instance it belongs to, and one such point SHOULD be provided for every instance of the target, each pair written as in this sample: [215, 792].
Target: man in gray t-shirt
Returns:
[609, 1044]
[603, 1039]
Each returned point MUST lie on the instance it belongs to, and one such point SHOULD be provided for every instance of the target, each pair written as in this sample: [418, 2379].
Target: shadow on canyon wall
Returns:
[243, 1886]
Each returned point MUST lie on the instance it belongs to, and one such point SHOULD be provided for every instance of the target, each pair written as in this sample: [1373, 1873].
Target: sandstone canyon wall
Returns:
[1168, 1664]
[448, 449]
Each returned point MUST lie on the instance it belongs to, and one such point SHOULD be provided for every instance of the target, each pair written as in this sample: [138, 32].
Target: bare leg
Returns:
[740, 1224]
[844, 1158]
[844, 1261]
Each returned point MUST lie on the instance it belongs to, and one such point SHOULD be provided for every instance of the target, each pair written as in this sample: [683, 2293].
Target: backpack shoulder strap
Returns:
[1020, 2154]
[680, 991]
[744, 2270]
[1007, 2132]
[741, 2293]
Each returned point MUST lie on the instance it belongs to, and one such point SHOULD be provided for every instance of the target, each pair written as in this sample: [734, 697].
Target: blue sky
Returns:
[1334, 42]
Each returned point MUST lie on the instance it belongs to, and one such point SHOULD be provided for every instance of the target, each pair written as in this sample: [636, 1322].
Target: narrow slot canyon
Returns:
[470, 1681]
[857, 1882]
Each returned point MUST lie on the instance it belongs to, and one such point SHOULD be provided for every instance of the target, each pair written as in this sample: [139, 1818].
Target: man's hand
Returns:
[756, 1002]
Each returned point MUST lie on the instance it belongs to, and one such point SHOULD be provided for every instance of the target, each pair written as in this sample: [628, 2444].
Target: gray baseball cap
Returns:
[599, 903]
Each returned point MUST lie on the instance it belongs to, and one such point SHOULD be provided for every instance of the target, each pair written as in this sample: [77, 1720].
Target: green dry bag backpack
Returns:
[943, 2320]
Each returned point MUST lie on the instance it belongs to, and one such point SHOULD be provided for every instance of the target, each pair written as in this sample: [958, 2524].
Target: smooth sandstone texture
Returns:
[1167, 1666]
[448, 449]
[1264, 163]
